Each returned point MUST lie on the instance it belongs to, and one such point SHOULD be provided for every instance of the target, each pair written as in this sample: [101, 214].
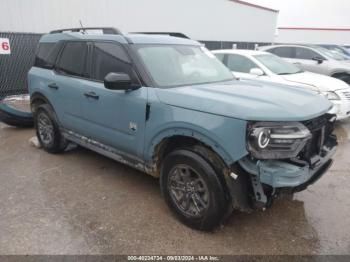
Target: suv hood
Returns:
[321, 82]
[248, 100]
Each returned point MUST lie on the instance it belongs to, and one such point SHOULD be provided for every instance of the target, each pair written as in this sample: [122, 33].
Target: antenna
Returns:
[82, 27]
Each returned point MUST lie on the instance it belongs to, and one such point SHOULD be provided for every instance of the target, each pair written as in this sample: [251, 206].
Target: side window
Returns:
[285, 51]
[240, 63]
[46, 55]
[220, 56]
[110, 57]
[72, 60]
[305, 53]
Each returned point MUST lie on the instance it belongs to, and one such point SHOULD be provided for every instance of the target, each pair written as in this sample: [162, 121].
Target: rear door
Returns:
[286, 52]
[114, 117]
[68, 84]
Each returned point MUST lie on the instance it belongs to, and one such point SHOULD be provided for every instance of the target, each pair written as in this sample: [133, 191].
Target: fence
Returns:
[212, 45]
[15, 66]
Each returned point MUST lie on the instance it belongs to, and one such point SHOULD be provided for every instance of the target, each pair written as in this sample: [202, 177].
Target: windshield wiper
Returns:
[288, 73]
[285, 74]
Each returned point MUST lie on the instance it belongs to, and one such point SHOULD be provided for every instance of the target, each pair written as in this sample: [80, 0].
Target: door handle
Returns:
[53, 86]
[297, 63]
[91, 95]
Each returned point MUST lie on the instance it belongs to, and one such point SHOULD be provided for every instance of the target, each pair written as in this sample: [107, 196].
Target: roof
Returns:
[314, 28]
[124, 39]
[240, 52]
[255, 6]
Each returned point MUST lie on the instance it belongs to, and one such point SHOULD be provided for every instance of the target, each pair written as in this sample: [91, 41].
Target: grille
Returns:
[321, 130]
[347, 95]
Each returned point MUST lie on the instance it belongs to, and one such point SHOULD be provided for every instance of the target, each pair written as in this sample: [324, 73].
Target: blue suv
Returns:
[166, 106]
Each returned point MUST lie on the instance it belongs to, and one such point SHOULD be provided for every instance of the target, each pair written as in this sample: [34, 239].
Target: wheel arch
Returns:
[37, 99]
[175, 138]
[340, 72]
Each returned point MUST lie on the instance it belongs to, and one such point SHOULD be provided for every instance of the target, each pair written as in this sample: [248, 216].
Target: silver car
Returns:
[314, 59]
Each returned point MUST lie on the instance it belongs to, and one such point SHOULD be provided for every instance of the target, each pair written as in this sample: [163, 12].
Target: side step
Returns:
[14, 117]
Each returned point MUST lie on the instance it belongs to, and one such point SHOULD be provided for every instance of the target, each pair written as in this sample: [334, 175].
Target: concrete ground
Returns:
[83, 203]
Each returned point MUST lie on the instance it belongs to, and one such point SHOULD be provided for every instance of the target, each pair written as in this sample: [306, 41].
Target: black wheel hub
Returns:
[188, 190]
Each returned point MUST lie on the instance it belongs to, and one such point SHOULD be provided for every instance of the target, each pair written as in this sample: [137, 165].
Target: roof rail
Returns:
[175, 34]
[105, 30]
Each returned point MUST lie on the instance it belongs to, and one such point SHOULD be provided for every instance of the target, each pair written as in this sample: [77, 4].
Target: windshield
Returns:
[180, 65]
[277, 65]
[334, 55]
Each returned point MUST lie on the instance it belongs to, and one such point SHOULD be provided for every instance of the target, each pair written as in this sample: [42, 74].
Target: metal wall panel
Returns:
[210, 20]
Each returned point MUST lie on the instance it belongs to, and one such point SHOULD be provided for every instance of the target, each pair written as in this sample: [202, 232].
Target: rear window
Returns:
[46, 55]
[72, 60]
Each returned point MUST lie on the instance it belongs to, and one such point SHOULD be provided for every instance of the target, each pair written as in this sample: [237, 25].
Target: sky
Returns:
[310, 13]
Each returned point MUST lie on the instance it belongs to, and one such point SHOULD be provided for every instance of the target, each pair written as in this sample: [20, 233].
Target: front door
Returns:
[305, 59]
[114, 117]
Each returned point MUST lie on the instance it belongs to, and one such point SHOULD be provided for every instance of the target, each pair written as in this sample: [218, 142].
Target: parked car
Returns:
[314, 59]
[248, 64]
[337, 48]
[166, 106]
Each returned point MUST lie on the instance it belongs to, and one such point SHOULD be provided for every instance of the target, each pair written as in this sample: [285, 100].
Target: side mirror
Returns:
[318, 59]
[256, 72]
[118, 81]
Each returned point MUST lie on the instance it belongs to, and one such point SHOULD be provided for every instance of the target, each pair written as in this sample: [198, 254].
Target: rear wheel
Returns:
[192, 190]
[47, 130]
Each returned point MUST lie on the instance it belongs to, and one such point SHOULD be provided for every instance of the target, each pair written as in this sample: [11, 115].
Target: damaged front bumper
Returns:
[265, 179]
[288, 174]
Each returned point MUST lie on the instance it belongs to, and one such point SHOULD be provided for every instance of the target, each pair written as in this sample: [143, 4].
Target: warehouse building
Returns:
[310, 35]
[207, 20]
[217, 23]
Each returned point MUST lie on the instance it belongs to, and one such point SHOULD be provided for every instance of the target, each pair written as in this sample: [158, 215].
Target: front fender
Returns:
[226, 136]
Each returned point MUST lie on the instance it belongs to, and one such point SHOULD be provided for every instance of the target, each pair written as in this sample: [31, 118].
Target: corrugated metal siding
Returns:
[210, 20]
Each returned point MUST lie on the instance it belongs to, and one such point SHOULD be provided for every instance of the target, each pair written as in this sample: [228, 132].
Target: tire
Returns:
[192, 190]
[47, 130]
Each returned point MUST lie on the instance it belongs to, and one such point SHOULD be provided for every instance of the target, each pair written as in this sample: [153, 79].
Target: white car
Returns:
[249, 64]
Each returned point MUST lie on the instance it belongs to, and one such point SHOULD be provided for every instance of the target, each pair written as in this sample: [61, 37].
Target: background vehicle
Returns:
[337, 48]
[314, 59]
[168, 107]
[248, 64]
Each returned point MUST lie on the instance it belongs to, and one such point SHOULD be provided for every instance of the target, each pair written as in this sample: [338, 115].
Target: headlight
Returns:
[331, 95]
[273, 140]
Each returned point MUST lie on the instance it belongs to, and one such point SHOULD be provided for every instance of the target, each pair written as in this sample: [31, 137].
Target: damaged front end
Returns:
[284, 157]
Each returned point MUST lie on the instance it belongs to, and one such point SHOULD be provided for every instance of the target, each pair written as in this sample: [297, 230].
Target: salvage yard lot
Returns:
[80, 202]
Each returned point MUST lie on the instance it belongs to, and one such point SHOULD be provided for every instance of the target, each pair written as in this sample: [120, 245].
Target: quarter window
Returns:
[47, 54]
[73, 57]
[108, 58]
[238, 63]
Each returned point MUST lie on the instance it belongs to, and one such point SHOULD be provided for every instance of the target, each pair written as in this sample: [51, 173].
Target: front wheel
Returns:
[192, 190]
